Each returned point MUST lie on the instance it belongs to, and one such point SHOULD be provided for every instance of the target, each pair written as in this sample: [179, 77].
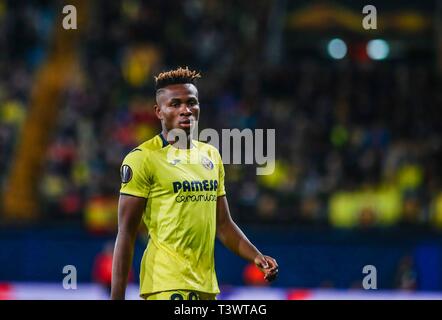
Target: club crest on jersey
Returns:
[206, 163]
[126, 173]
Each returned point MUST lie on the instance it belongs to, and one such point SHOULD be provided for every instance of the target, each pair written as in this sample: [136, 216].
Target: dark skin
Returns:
[178, 108]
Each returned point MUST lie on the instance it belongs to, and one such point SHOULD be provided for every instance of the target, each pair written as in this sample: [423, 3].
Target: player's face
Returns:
[178, 107]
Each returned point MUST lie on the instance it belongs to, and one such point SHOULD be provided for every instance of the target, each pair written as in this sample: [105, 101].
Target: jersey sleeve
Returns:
[134, 174]
[221, 187]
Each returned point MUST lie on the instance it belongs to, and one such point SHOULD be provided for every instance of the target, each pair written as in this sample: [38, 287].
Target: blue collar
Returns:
[165, 143]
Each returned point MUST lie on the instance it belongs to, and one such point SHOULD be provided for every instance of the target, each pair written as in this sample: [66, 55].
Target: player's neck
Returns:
[179, 143]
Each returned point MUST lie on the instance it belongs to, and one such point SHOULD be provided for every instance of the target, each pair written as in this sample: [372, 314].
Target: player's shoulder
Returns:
[141, 152]
[154, 144]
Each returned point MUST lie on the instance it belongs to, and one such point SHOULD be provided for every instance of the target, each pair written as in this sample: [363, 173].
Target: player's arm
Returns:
[233, 238]
[130, 211]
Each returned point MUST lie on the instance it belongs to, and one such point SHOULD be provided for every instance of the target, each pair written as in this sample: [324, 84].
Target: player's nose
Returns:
[186, 111]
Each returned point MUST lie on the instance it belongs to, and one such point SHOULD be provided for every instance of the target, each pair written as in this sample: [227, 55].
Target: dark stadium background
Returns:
[358, 138]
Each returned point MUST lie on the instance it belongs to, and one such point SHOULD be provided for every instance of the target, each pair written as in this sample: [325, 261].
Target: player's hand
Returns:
[268, 266]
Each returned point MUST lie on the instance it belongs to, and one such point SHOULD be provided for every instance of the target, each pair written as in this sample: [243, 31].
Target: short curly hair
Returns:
[176, 76]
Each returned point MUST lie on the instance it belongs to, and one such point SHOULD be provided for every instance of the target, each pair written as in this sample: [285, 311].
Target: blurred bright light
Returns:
[378, 49]
[337, 48]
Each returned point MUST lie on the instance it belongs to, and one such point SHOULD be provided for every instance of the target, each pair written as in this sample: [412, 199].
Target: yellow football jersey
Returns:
[181, 187]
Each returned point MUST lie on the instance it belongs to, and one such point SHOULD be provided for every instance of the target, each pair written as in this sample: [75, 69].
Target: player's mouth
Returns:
[186, 123]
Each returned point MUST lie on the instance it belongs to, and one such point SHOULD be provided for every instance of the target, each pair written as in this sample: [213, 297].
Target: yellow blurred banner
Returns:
[325, 16]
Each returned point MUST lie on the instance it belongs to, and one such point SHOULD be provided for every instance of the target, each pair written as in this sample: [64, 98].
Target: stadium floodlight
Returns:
[337, 48]
[378, 49]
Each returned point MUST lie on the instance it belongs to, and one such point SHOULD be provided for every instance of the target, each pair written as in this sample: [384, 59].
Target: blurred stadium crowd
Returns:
[357, 144]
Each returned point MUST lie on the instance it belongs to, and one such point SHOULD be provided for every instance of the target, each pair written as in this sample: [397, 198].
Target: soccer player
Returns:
[177, 189]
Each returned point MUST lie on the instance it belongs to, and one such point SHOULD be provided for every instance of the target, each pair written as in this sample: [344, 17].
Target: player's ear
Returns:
[158, 112]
